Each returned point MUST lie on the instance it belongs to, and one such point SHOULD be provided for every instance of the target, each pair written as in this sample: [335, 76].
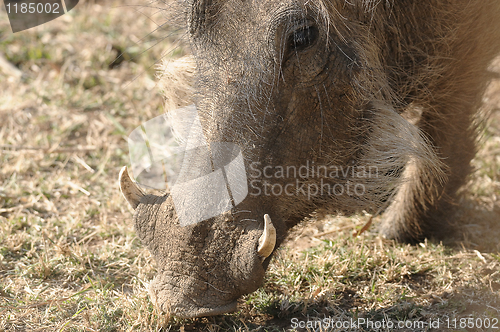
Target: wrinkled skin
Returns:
[331, 83]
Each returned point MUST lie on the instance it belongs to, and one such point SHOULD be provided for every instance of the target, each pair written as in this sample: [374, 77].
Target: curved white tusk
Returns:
[267, 240]
[130, 190]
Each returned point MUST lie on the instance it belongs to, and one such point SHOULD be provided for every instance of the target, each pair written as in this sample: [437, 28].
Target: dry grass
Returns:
[70, 260]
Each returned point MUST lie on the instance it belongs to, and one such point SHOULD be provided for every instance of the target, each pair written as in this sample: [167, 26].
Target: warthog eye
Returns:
[303, 37]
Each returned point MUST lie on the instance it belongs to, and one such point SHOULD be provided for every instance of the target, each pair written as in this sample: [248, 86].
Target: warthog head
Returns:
[315, 94]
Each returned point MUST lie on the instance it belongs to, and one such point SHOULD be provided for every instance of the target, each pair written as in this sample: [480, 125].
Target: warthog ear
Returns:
[130, 190]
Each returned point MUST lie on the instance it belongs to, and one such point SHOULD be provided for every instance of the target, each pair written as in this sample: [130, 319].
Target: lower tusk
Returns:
[267, 240]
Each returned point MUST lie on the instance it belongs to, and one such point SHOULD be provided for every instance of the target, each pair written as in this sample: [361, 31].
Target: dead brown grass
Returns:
[69, 258]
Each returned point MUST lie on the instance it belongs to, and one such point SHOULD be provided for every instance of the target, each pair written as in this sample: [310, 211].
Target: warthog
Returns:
[337, 106]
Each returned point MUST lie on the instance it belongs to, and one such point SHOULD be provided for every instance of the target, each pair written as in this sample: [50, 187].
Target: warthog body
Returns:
[375, 99]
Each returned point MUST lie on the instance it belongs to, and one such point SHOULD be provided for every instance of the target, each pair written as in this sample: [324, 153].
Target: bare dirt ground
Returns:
[70, 259]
